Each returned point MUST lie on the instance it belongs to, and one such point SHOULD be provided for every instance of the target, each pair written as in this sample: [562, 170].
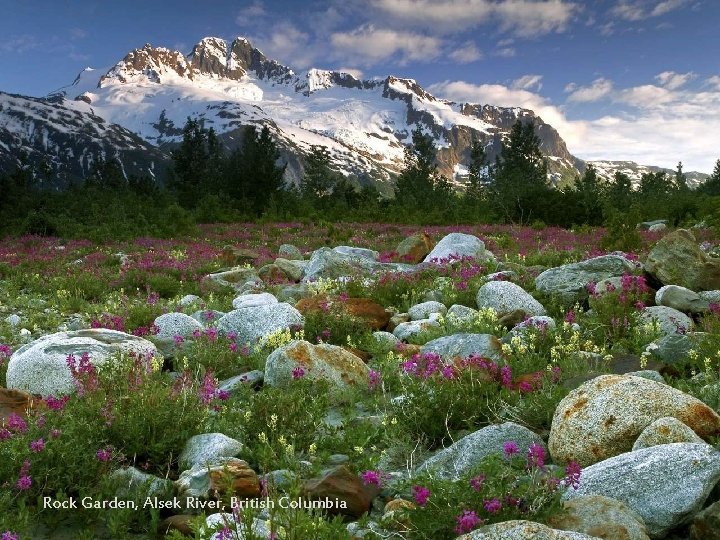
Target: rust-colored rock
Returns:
[515, 317]
[399, 504]
[341, 484]
[232, 256]
[415, 248]
[369, 312]
[180, 523]
[15, 401]
[272, 273]
[235, 476]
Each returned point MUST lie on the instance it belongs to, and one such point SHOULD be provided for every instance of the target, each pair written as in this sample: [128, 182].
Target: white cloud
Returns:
[506, 52]
[352, 71]
[599, 89]
[368, 45]
[527, 82]
[522, 17]
[638, 10]
[20, 44]
[647, 96]
[287, 44]
[713, 81]
[467, 53]
[672, 80]
[250, 15]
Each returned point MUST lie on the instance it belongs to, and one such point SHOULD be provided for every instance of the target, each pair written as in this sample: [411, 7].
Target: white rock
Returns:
[253, 300]
[176, 324]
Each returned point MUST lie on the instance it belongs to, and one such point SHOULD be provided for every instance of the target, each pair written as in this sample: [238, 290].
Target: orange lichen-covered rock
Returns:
[604, 416]
[371, 313]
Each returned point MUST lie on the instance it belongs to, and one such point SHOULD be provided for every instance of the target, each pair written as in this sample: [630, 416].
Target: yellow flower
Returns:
[248, 415]
[263, 438]
[358, 449]
[273, 421]
[312, 449]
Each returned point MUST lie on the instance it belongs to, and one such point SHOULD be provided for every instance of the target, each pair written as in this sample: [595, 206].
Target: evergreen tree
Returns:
[520, 175]
[477, 171]
[680, 179]
[318, 178]
[712, 185]
[619, 195]
[190, 165]
[589, 196]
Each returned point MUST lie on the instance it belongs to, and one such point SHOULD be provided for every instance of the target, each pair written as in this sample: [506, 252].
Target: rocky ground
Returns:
[442, 392]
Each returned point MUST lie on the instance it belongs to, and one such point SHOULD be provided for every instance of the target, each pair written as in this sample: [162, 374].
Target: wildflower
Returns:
[492, 505]
[572, 474]
[56, 404]
[41, 420]
[372, 477]
[374, 379]
[5, 434]
[24, 482]
[298, 373]
[9, 535]
[421, 495]
[209, 315]
[510, 448]
[448, 372]
[525, 387]
[104, 454]
[506, 376]
[37, 445]
[208, 388]
[224, 534]
[233, 347]
[55, 433]
[196, 333]
[467, 521]
[16, 423]
[477, 482]
[211, 333]
[178, 339]
[570, 317]
[536, 456]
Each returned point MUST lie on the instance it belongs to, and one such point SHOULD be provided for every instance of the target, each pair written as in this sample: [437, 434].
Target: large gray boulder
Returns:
[290, 252]
[464, 345]
[681, 298]
[425, 309]
[177, 324]
[670, 321]
[665, 484]
[466, 453]
[40, 367]
[604, 416]
[236, 277]
[505, 297]
[293, 269]
[522, 530]
[206, 447]
[678, 260]
[253, 300]
[369, 254]
[459, 245]
[253, 324]
[328, 263]
[569, 281]
[672, 348]
[601, 516]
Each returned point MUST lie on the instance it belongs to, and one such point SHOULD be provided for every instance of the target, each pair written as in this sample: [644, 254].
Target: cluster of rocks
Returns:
[647, 466]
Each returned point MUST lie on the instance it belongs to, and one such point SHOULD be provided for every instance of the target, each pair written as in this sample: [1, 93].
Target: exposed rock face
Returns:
[665, 484]
[678, 260]
[604, 416]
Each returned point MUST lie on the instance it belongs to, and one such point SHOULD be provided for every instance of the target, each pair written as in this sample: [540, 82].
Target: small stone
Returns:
[601, 517]
[189, 299]
[670, 321]
[522, 530]
[176, 324]
[13, 320]
[424, 310]
[340, 483]
[203, 448]
[681, 298]
[253, 300]
[408, 330]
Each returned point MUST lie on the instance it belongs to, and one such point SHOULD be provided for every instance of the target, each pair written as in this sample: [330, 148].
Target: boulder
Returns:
[211, 479]
[290, 252]
[541, 323]
[234, 277]
[505, 297]
[40, 367]
[665, 484]
[423, 310]
[189, 299]
[415, 248]
[522, 530]
[252, 378]
[364, 309]
[672, 348]
[294, 270]
[253, 300]
[677, 259]
[131, 483]
[664, 431]
[706, 524]
[670, 321]
[601, 517]
[206, 447]
[464, 345]
[712, 297]
[569, 281]
[207, 317]
[369, 254]
[385, 341]
[260, 528]
[411, 329]
[466, 453]
[340, 483]
[253, 324]
[340, 368]
[459, 314]
[271, 274]
[680, 298]
[604, 416]
[177, 324]
[459, 245]
[327, 263]
[646, 225]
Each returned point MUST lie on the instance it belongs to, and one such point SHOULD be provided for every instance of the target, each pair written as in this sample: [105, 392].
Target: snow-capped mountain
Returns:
[607, 170]
[142, 103]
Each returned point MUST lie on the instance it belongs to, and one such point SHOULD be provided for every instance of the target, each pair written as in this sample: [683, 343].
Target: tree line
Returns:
[207, 182]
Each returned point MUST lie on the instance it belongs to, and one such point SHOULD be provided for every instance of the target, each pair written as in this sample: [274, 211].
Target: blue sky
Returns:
[619, 79]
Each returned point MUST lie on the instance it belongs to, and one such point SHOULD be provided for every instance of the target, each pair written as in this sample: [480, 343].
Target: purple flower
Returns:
[525, 387]
[421, 495]
[104, 454]
[211, 333]
[298, 373]
[536, 456]
[224, 534]
[55, 433]
[467, 521]
[477, 482]
[178, 339]
[24, 482]
[572, 474]
[5, 434]
[506, 376]
[510, 448]
[16, 423]
[9, 535]
[448, 372]
[493, 505]
[372, 478]
[374, 379]
[37, 445]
